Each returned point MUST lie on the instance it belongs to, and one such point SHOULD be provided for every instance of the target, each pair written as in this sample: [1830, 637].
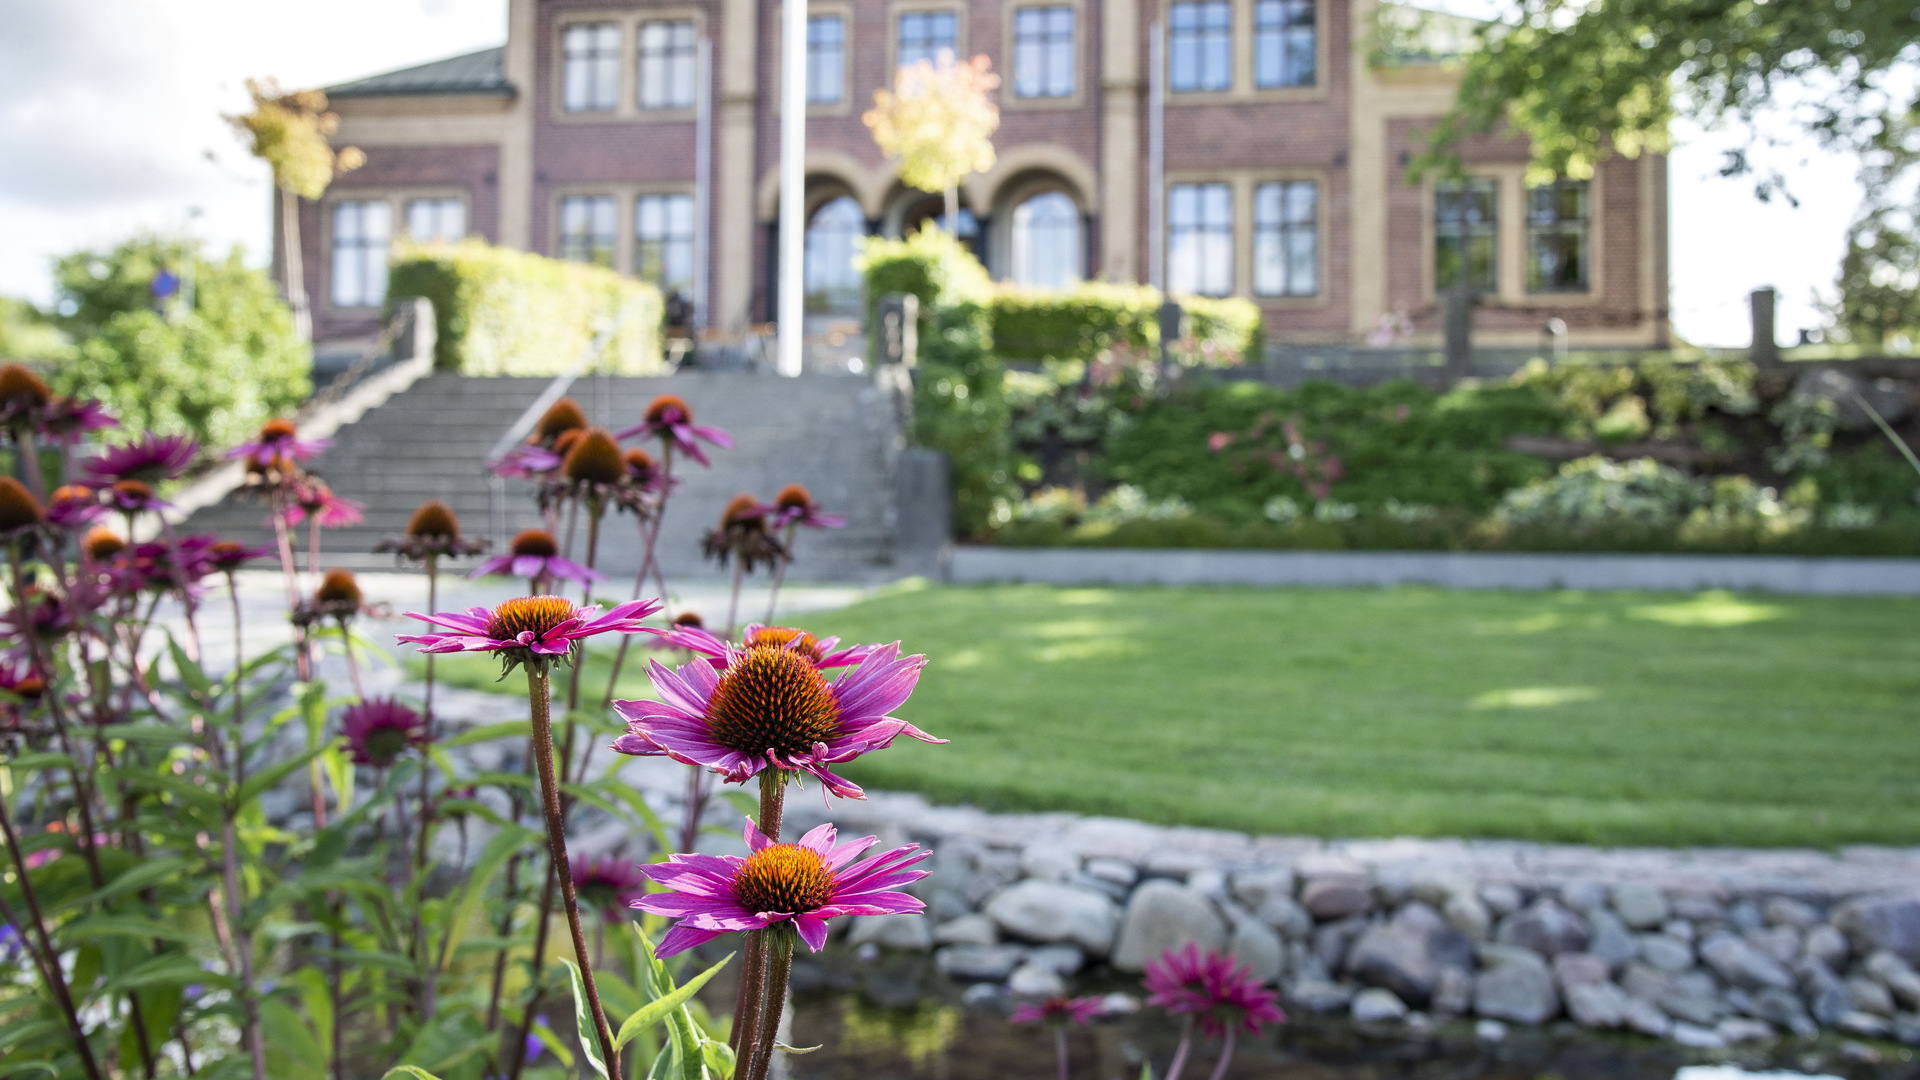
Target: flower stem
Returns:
[47, 957]
[1180, 1055]
[753, 966]
[1060, 1048]
[779, 948]
[733, 606]
[539, 691]
[1226, 1056]
[780, 573]
[428, 986]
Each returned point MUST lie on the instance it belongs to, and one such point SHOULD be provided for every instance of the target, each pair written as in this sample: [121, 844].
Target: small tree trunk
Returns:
[294, 265]
[953, 211]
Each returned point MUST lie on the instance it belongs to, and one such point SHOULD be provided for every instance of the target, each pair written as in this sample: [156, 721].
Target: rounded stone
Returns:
[1639, 905]
[1375, 1005]
[1163, 915]
[1337, 897]
[1049, 912]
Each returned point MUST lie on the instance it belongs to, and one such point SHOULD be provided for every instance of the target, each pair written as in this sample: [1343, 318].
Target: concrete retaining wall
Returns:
[1456, 570]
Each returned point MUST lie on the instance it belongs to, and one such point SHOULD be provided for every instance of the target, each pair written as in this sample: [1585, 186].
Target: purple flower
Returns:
[278, 439]
[535, 555]
[769, 706]
[379, 730]
[150, 460]
[795, 506]
[608, 884]
[803, 884]
[132, 497]
[670, 420]
[820, 651]
[66, 420]
[528, 461]
[74, 506]
[1220, 994]
[529, 626]
[1059, 1010]
[314, 497]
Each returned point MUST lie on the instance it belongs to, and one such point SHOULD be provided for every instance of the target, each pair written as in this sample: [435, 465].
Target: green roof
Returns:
[475, 73]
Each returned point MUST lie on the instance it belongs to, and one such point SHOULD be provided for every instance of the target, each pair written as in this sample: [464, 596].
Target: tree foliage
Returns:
[289, 131]
[938, 120]
[1584, 78]
[27, 334]
[216, 372]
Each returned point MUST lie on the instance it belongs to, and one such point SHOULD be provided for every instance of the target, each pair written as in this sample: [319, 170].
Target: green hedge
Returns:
[505, 312]
[1081, 322]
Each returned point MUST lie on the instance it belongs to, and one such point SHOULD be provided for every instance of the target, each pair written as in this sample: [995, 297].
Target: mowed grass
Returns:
[1613, 718]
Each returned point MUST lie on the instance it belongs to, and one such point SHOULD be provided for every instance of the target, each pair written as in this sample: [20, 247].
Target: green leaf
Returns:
[272, 776]
[292, 1050]
[413, 1071]
[492, 857]
[1146, 1070]
[488, 732]
[135, 926]
[583, 1019]
[39, 762]
[656, 1011]
[190, 671]
[719, 1057]
[139, 877]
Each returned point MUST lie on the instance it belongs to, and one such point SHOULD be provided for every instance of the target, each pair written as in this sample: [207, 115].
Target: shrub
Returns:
[1086, 320]
[960, 409]
[505, 312]
[1594, 491]
[216, 372]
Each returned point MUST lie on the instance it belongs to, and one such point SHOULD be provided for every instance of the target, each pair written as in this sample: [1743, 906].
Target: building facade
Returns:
[1219, 147]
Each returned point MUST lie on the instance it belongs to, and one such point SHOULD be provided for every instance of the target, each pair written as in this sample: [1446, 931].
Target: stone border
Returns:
[973, 565]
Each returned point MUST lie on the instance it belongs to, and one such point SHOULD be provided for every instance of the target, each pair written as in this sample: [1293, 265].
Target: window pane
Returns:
[666, 64]
[590, 75]
[1466, 234]
[1043, 52]
[1200, 49]
[924, 35]
[361, 230]
[826, 62]
[1200, 239]
[437, 220]
[833, 239]
[663, 240]
[586, 229]
[1557, 225]
[1047, 248]
[1286, 239]
[1283, 43]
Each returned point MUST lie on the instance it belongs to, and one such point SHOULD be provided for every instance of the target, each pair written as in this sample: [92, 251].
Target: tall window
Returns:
[1557, 216]
[1200, 49]
[586, 229]
[666, 64]
[1200, 239]
[826, 59]
[1043, 52]
[361, 229]
[1286, 240]
[663, 240]
[590, 67]
[1046, 241]
[431, 221]
[924, 35]
[833, 239]
[1466, 234]
[1283, 53]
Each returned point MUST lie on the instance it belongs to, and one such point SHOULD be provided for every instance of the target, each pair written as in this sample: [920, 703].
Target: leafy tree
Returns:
[1584, 78]
[939, 121]
[26, 334]
[289, 132]
[216, 372]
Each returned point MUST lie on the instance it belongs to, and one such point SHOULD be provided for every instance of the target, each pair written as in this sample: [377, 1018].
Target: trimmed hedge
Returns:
[1081, 322]
[505, 312]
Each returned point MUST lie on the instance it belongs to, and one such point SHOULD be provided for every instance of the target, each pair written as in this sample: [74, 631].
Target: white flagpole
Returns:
[793, 178]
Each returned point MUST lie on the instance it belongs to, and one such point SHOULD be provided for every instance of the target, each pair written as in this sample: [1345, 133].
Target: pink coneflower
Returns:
[132, 497]
[150, 460]
[66, 420]
[526, 462]
[795, 506]
[228, 555]
[535, 555]
[332, 511]
[529, 626]
[74, 506]
[20, 512]
[379, 730]
[608, 884]
[1059, 1010]
[279, 442]
[1220, 993]
[770, 707]
[743, 534]
[670, 420]
[159, 565]
[820, 651]
[802, 884]
[24, 396]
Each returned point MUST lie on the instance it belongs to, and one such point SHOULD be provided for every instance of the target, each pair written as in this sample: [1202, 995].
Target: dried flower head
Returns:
[641, 467]
[102, 543]
[432, 530]
[688, 618]
[19, 510]
[669, 419]
[743, 535]
[434, 520]
[228, 555]
[562, 416]
[535, 555]
[795, 506]
[22, 393]
[595, 459]
[338, 587]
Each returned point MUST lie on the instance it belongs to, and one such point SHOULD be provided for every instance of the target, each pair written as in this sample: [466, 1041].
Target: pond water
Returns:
[894, 1018]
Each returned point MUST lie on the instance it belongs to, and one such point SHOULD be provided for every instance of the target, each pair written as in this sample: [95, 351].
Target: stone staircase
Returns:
[838, 435]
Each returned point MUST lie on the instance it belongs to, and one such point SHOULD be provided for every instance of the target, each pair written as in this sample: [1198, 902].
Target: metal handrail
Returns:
[516, 431]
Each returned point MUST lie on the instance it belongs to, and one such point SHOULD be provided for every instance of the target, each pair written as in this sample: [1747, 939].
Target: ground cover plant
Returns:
[1641, 718]
[156, 920]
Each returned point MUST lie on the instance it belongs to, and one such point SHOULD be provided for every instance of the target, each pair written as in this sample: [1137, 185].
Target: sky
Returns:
[110, 124]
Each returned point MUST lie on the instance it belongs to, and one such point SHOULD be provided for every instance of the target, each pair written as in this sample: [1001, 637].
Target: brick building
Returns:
[1277, 160]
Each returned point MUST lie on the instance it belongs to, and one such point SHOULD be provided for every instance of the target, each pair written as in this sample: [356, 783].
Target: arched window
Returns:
[833, 237]
[1046, 241]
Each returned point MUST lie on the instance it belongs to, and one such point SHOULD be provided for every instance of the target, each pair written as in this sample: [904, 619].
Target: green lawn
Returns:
[1597, 717]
